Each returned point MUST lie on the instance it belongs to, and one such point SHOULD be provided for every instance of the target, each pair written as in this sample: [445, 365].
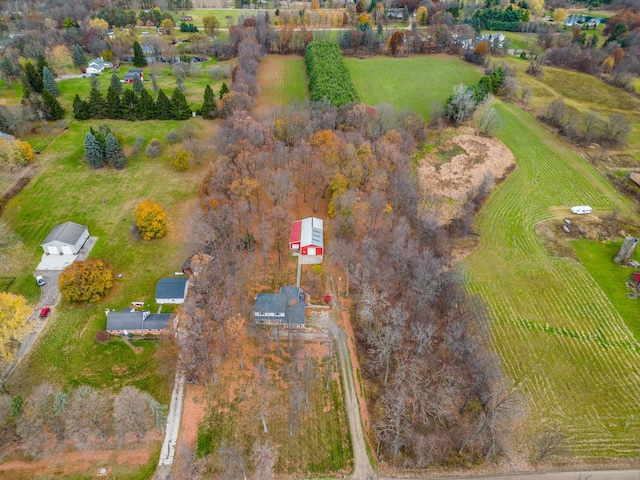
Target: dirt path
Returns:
[329, 320]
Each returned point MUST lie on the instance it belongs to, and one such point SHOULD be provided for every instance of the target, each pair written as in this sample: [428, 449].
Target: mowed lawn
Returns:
[282, 80]
[66, 189]
[554, 328]
[414, 83]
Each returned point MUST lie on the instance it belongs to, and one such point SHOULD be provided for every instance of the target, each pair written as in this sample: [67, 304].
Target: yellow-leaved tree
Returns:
[86, 281]
[151, 220]
[14, 313]
[422, 15]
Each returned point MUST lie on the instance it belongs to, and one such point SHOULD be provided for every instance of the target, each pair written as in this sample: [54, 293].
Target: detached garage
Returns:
[171, 290]
[66, 239]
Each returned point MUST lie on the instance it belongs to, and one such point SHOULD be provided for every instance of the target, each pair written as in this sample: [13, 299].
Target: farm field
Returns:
[104, 200]
[282, 80]
[554, 329]
[414, 83]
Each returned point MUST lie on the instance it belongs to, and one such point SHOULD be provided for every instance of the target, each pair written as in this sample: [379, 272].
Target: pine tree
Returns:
[52, 108]
[209, 105]
[49, 83]
[223, 89]
[138, 56]
[93, 152]
[7, 70]
[115, 83]
[163, 107]
[79, 60]
[80, 109]
[33, 78]
[146, 108]
[42, 63]
[137, 84]
[97, 103]
[180, 109]
[113, 153]
[113, 109]
[128, 103]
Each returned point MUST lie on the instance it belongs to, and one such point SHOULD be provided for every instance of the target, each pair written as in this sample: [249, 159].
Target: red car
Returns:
[44, 312]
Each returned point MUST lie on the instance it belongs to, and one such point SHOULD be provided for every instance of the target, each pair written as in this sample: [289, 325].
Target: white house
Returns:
[171, 290]
[66, 239]
[97, 65]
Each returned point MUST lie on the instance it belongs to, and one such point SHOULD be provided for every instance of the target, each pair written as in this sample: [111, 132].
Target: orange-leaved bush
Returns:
[150, 220]
[86, 281]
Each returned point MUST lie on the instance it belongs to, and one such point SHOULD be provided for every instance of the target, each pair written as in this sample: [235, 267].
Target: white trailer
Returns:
[581, 209]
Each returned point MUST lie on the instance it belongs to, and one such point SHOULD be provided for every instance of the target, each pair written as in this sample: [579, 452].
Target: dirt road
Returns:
[328, 320]
[586, 475]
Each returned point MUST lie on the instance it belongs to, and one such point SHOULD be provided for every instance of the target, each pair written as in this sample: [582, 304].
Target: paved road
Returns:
[328, 320]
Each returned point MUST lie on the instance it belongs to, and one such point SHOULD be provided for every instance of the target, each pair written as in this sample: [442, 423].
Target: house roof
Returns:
[308, 231]
[289, 304]
[6, 136]
[131, 75]
[129, 319]
[68, 232]
[635, 176]
[96, 62]
[171, 288]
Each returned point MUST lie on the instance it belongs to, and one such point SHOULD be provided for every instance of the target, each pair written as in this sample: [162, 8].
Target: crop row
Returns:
[328, 74]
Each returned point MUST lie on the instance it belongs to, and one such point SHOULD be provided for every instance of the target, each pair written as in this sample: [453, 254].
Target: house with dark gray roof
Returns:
[285, 308]
[130, 321]
[65, 239]
[6, 137]
[171, 290]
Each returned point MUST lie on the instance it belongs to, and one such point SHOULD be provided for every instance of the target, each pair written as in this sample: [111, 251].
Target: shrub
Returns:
[154, 148]
[150, 220]
[181, 160]
[102, 336]
[173, 137]
[86, 281]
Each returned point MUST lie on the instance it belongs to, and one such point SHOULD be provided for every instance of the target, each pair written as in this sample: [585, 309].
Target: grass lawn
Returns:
[598, 260]
[104, 200]
[554, 329]
[282, 79]
[414, 83]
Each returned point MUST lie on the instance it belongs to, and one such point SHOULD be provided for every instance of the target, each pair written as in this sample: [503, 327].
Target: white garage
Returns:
[65, 239]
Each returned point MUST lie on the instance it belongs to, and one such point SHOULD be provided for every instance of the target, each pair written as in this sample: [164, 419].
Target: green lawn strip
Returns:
[598, 260]
[290, 82]
[554, 329]
[414, 83]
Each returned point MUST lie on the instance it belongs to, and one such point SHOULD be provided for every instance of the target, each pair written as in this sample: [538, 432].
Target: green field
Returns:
[554, 328]
[414, 83]
[104, 200]
[283, 80]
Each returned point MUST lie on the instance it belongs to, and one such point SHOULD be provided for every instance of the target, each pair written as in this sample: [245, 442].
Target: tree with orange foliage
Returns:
[395, 42]
[422, 15]
[482, 48]
[86, 281]
[150, 220]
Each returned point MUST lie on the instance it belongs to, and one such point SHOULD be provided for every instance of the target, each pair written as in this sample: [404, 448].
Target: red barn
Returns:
[307, 237]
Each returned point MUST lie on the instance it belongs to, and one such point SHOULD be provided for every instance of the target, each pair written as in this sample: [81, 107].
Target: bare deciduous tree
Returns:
[132, 414]
[89, 416]
[264, 456]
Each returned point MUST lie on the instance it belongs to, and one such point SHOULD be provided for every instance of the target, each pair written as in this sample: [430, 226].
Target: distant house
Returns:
[635, 177]
[285, 308]
[171, 290]
[6, 137]
[128, 321]
[186, 18]
[66, 239]
[97, 65]
[307, 237]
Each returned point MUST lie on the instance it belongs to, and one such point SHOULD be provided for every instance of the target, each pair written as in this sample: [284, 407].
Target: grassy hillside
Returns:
[554, 328]
[414, 83]
[282, 80]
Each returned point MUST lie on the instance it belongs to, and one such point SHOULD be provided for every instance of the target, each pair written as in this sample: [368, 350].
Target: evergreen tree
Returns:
[7, 70]
[180, 109]
[137, 84]
[146, 108]
[93, 151]
[79, 60]
[115, 83]
[42, 64]
[33, 78]
[128, 103]
[138, 56]
[113, 152]
[52, 108]
[209, 105]
[223, 89]
[97, 103]
[80, 109]
[163, 107]
[113, 109]
[49, 83]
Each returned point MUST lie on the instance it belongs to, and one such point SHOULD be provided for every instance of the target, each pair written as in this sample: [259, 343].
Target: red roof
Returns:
[636, 277]
[296, 231]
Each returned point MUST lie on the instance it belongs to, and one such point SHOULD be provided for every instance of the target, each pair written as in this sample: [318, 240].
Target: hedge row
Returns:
[328, 74]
